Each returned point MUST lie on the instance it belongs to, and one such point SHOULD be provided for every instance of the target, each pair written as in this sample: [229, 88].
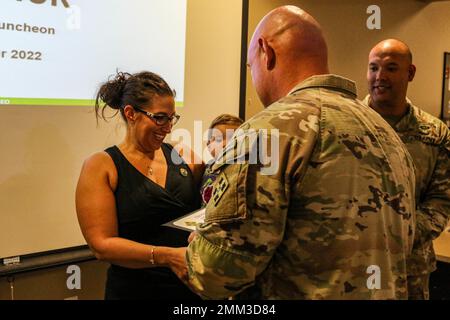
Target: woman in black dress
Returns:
[127, 192]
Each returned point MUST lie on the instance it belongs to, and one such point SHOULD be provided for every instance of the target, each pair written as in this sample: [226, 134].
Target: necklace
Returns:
[149, 165]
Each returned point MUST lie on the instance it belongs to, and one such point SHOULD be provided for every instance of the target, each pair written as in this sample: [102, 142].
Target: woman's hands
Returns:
[177, 263]
[192, 236]
[175, 259]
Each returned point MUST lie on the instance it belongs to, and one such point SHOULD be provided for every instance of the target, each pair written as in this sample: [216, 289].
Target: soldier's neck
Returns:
[390, 109]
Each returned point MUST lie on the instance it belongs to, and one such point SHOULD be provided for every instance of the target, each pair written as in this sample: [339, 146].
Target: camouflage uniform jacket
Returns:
[428, 141]
[338, 207]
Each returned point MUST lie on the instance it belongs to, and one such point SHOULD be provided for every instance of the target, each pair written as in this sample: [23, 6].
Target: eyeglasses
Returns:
[160, 119]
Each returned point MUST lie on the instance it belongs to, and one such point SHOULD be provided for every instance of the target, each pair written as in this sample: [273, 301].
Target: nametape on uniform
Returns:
[221, 186]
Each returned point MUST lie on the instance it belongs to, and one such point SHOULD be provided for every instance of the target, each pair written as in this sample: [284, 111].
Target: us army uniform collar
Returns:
[408, 121]
[416, 123]
[403, 123]
[330, 81]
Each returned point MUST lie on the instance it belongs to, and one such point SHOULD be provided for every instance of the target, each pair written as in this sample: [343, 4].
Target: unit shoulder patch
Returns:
[221, 186]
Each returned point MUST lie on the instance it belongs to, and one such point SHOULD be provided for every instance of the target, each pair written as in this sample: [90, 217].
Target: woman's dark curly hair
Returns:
[130, 89]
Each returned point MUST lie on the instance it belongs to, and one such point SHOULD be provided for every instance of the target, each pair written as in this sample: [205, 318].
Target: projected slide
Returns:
[57, 52]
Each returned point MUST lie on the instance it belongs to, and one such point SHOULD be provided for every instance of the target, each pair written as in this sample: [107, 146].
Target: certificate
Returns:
[188, 222]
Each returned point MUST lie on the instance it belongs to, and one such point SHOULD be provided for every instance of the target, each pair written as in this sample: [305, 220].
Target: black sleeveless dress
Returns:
[142, 207]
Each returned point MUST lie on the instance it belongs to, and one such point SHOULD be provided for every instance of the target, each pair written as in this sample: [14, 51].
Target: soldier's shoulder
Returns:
[306, 101]
[288, 115]
[431, 129]
[425, 118]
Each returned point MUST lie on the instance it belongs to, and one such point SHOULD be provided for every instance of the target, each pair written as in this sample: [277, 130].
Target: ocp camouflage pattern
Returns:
[340, 202]
[428, 141]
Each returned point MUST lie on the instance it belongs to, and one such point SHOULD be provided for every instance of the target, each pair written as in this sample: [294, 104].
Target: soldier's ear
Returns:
[411, 72]
[269, 54]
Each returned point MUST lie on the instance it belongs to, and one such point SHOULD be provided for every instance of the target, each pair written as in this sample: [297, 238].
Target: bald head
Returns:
[393, 46]
[287, 47]
[389, 72]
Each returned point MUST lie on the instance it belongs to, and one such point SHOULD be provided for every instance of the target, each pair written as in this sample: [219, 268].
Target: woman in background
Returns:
[127, 192]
